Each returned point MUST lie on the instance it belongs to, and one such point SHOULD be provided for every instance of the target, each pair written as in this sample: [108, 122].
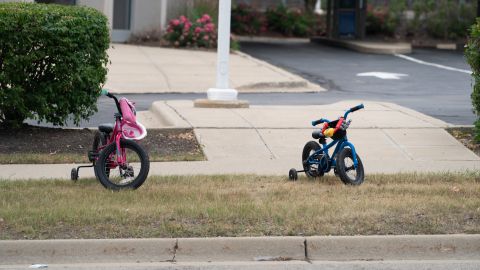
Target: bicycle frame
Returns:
[116, 136]
[340, 144]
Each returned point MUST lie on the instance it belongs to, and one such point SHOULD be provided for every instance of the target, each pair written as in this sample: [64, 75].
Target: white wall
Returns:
[104, 6]
[146, 15]
[97, 4]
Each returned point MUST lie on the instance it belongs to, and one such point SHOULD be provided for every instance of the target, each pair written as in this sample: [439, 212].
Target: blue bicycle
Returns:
[345, 161]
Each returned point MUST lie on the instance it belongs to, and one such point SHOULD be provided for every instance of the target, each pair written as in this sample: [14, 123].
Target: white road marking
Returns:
[418, 61]
[383, 75]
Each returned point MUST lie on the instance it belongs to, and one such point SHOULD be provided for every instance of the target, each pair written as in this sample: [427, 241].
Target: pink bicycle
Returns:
[119, 161]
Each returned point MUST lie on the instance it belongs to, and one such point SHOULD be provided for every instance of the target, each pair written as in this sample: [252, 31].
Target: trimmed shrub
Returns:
[472, 54]
[52, 62]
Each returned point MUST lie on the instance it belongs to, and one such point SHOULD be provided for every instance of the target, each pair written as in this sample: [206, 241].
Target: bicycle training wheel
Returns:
[129, 175]
[347, 171]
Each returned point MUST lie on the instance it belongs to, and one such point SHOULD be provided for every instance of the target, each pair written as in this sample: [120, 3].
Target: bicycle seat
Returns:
[106, 128]
[317, 134]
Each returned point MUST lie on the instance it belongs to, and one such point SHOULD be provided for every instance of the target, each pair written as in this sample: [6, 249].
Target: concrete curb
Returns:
[241, 249]
[81, 251]
[272, 40]
[317, 248]
[395, 247]
[441, 46]
[366, 47]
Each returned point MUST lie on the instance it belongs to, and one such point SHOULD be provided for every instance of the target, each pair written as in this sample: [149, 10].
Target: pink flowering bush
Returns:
[182, 32]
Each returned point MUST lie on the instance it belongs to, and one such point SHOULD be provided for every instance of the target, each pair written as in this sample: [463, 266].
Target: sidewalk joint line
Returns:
[158, 68]
[306, 251]
[272, 155]
[399, 147]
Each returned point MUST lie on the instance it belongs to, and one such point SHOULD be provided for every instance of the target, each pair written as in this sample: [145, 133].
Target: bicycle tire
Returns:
[108, 153]
[343, 168]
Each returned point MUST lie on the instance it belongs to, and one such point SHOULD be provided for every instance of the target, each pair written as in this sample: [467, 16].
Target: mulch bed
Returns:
[161, 144]
[465, 135]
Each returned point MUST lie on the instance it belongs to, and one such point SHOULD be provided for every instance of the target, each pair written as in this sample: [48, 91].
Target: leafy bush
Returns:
[384, 19]
[289, 22]
[182, 32]
[449, 19]
[246, 20]
[202, 7]
[52, 62]
[472, 54]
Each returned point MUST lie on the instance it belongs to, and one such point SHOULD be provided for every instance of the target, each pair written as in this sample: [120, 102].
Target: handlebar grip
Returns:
[319, 121]
[316, 122]
[106, 93]
[356, 108]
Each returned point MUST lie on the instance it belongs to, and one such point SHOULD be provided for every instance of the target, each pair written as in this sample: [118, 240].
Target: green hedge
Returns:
[52, 62]
[472, 53]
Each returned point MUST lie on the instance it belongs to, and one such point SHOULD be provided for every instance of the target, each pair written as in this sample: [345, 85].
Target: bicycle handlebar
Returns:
[106, 93]
[356, 108]
[319, 121]
[353, 109]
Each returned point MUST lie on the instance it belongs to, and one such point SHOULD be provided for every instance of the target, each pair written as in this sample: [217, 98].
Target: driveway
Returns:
[436, 91]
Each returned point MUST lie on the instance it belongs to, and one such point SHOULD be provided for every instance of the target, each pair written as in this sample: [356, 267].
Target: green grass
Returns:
[241, 205]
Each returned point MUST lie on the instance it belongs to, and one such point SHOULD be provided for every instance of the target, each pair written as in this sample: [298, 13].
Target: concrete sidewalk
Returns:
[268, 140]
[139, 69]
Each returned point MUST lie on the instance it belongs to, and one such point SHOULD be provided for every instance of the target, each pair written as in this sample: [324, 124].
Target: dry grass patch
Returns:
[245, 205]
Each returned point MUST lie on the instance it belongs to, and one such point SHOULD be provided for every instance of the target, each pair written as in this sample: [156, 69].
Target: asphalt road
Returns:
[438, 92]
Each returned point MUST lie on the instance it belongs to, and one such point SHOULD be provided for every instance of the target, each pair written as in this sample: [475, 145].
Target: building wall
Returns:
[178, 7]
[146, 15]
[97, 4]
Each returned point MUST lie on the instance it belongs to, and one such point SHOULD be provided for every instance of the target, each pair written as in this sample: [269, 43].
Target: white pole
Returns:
[163, 15]
[222, 90]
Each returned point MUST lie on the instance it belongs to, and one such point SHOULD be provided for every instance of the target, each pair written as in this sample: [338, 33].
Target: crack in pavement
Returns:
[272, 155]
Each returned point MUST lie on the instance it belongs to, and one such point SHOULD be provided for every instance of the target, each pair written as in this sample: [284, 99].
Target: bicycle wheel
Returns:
[311, 170]
[345, 169]
[129, 175]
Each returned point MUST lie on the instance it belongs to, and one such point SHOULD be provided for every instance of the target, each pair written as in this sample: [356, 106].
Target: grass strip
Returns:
[242, 205]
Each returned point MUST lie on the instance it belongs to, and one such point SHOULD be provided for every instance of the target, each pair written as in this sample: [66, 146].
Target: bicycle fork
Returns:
[120, 152]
